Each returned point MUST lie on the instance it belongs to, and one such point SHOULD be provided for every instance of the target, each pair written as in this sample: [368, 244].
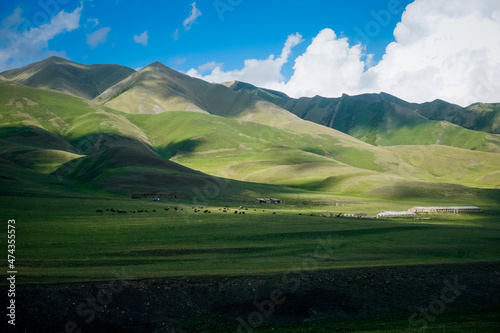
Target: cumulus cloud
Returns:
[446, 49]
[259, 72]
[328, 66]
[142, 38]
[25, 44]
[98, 37]
[195, 13]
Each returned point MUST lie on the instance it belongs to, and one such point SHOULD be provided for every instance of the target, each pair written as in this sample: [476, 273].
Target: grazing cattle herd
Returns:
[241, 210]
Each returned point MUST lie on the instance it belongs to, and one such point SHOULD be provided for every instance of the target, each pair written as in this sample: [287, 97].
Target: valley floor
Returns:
[276, 268]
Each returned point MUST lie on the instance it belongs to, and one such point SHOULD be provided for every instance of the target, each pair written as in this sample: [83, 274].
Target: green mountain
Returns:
[113, 144]
[59, 74]
[158, 88]
[382, 119]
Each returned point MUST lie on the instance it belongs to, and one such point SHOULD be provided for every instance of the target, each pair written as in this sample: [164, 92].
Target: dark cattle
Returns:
[175, 208]
[167, 208]
[154, 210]
[235, 212]
[243, 213]
[99, 211]
[112, 210]
[274, 213]
[206, 211]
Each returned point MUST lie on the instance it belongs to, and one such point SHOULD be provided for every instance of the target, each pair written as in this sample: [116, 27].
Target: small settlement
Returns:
[412, 212]
[269, 200]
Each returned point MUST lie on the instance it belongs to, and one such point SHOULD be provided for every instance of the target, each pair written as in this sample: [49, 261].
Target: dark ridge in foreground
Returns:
[229, 304]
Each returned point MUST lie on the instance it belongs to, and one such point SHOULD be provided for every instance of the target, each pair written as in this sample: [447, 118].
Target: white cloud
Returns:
[446, 49]
[258, 72]
[328, 67]
[195, 13]
[209, 66]
[25, 44]
[98, 37]
[175, 35]
[95, 22]
[179, 61]
[142, 38]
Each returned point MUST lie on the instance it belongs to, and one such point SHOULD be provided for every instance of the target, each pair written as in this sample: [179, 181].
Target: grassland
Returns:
[64, 158]
[175, 259]
[66, 240]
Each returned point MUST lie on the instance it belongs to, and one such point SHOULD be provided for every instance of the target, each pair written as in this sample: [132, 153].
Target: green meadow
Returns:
[67, 240]
[68, 164]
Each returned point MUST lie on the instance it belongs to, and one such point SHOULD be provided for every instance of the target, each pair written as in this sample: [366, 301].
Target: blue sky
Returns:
[228, 31]
[220, 35]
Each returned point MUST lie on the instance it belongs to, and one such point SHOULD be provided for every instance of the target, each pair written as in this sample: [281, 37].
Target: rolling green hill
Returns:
[382, 119]
[59, 74]
[328, 161]
[124, 140]
[158, 88]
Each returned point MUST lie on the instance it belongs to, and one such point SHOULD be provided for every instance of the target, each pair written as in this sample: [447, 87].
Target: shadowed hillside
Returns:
[382, 119]
[158, 88]
[125, 139]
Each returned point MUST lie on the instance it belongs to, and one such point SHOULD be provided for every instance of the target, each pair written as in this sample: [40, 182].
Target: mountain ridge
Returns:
[55, 73]
[51, 134]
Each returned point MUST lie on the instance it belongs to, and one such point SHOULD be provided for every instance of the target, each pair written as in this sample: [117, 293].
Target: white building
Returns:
[385, 215]
[452, 209]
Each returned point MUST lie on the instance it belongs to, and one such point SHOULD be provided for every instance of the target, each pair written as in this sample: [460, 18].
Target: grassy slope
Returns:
[157, 88]
[293, 152]
[59, 74]
[385, 120]
[327, 161]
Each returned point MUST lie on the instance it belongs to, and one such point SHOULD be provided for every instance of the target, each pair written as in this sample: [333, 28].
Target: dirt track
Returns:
[245, 302]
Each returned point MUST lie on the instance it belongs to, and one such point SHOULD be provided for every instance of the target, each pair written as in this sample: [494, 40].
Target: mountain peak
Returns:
[157, 64]
[55, 58]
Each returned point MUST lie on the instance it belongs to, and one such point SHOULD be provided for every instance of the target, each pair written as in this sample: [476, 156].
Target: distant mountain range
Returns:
[110, 128]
